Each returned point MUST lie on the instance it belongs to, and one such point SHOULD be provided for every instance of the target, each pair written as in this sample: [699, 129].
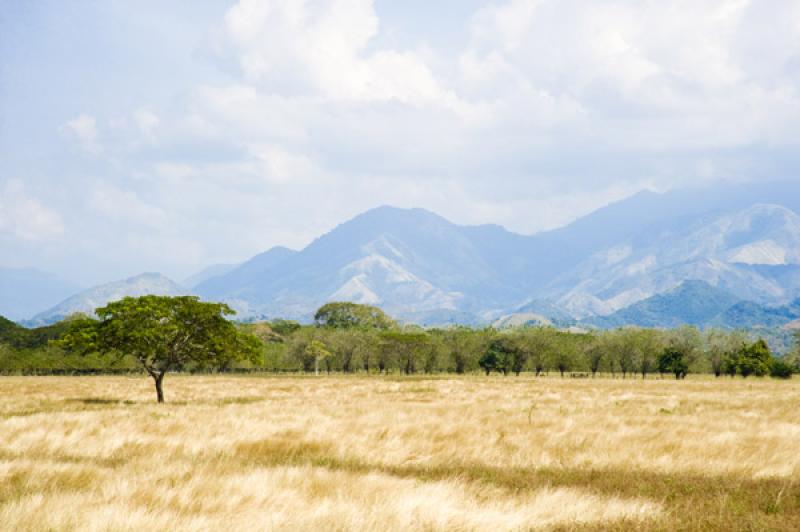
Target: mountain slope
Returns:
[27, 291]
[215, 270]
[691, 303]
[420, 266]
[406, 260]
[753, 253]
[88, 300]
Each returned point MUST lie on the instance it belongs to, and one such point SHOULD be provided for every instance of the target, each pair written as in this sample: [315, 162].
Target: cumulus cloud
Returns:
[538, 112]
[83, 131]
[24, 217]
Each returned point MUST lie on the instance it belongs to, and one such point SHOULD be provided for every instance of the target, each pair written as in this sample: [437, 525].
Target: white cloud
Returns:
[83, 130]
[536, 112]
[24, 217]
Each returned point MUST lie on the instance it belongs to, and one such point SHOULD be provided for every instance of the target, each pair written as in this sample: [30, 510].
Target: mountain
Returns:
[753, 253]
[742, 240]
[750, 315]
[408, 261]
[698, 303]
[88, 300]
[420, 267]
[27, 291]
[690, 303]
[205, 274]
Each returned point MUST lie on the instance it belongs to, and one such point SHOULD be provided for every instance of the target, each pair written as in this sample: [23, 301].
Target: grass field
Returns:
[378, 453]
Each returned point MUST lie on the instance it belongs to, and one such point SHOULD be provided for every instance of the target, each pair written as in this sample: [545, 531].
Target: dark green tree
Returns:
[780, 369]
[164, 334]
[755, 359]
[343, 315]
[498, 356]
[673, 360]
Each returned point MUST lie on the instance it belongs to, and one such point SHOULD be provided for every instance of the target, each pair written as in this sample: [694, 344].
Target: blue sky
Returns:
[166, 136]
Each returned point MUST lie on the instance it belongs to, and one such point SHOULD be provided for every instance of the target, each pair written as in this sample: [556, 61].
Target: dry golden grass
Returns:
[377, 453]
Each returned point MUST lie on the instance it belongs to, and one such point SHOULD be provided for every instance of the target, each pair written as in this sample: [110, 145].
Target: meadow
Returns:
[399, 453]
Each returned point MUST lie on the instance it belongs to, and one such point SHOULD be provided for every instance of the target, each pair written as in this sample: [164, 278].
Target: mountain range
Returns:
[726, 255]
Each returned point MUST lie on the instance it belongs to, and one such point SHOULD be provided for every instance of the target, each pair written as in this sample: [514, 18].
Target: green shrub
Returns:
[780, 369]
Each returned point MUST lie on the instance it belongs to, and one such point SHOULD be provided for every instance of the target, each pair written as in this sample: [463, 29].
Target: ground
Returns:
[384, 453]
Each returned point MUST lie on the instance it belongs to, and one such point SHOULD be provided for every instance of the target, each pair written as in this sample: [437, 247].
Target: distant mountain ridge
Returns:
[698, 303]
[88, 300]
[728, 255]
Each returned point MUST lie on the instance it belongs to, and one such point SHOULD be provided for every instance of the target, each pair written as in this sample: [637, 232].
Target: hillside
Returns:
[88, 300]
[692, 302]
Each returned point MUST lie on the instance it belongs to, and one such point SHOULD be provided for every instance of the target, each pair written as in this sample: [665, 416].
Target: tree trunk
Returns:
[159, 378]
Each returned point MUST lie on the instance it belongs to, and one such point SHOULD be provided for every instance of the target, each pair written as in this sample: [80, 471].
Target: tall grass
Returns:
[368, 453]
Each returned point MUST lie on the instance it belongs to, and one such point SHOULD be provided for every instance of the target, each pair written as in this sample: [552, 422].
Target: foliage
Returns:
[317, 351]
[284, 327]
[754, 359]
[780, 369]
[673, 360]
[163, 334]
[20, 337]
[498, 356]
[408, 348]
[342, 315]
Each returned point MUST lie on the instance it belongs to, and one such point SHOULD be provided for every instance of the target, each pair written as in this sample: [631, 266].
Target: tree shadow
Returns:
[101, 401]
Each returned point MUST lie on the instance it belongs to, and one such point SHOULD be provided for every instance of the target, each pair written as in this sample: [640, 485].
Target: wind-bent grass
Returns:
[372, 453]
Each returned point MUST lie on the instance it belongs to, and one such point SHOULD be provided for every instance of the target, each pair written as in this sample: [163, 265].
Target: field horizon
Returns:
[394, 452]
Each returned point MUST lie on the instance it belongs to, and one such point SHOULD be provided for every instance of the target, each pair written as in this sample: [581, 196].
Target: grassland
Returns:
[378, 453]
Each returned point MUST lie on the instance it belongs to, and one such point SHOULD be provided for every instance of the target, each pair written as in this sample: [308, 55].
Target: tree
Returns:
[755, 359]
[407, 347]
[563, 352]
[284, 327]
[688, 340]
[164, 334]
[673, 360]
[649, 343]
[780, 369]
[319, 352]
[539, 342]
[594, 351]
[463, 346]
[625, 350]
[351, 346]
[344, 315]
[498, 356]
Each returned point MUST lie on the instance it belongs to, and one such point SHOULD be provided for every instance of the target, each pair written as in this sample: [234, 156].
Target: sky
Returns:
[171, 135]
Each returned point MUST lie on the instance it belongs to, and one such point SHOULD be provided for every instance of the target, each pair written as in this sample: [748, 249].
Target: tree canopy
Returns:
[344, 315]
[163, 334]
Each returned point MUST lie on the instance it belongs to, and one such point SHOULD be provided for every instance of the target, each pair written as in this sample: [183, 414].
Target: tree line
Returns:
[159, 334]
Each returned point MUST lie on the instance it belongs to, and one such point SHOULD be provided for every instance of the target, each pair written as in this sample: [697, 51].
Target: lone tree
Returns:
[164, 334]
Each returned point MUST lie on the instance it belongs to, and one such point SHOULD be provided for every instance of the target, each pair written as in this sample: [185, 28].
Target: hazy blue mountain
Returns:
[700, 304]
[691, 303]
[744, 240]
[88, 300]
[27, 291]
[754, 253]
[215, 270]
[244, 275]
[750, 315]
[409, 261]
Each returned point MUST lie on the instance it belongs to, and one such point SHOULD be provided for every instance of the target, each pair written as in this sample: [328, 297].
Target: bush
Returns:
[780, 369]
